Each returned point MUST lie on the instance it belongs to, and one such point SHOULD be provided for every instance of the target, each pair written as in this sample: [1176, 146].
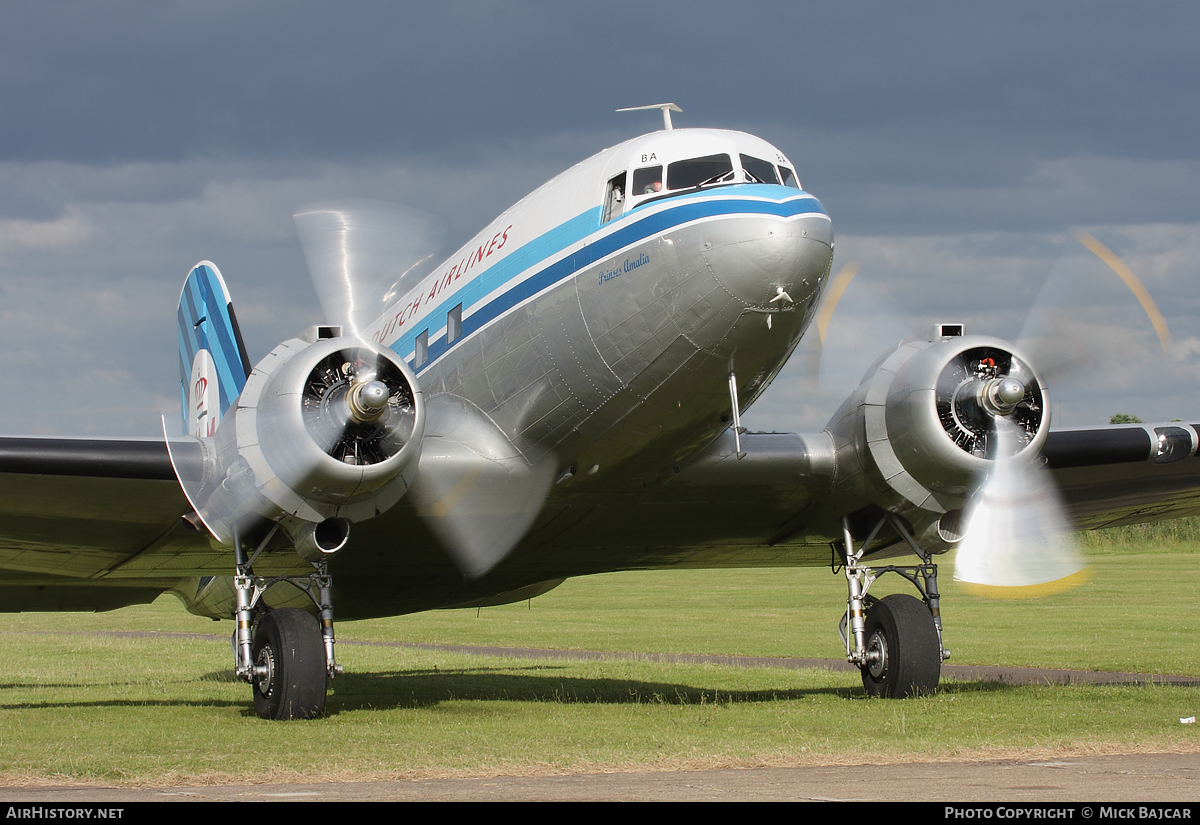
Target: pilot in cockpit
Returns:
[647, 181]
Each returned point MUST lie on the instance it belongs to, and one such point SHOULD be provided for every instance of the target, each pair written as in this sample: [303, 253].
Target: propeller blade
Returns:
[474, 490]
[1135, 286]
[829, 303]
[1083, 328]
[1017, 544]
[361, 254]
[1081, 332]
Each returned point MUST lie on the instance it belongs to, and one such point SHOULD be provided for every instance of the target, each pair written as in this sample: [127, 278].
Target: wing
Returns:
[1126, 474]
[785, 489]
[73, 510]
[94, 524]
[98, 524]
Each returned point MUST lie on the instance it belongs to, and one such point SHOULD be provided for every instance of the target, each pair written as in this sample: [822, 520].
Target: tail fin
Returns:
[213, 364]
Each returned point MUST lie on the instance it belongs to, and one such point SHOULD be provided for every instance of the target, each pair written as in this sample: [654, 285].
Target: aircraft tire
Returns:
[901, 631]
[288, 641]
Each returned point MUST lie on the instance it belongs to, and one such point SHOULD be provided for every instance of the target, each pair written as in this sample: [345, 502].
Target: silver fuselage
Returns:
[606, 342]
[600, 334]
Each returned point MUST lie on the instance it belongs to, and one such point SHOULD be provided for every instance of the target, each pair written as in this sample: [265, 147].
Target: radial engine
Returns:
[927, 424]
[327, 431]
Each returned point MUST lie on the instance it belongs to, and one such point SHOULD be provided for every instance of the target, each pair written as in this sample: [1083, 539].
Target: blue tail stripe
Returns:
[187, 328]
[223, 349]
[204, 298]
[207, 306]
[233, 375]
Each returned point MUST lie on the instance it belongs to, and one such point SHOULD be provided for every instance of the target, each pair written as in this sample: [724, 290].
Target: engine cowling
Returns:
[327, 431]
[928, 422]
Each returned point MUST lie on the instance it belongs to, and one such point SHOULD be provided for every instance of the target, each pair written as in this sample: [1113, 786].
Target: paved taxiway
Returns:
[1112, 778]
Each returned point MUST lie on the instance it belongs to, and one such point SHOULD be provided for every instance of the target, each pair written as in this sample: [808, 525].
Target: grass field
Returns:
[83, 707]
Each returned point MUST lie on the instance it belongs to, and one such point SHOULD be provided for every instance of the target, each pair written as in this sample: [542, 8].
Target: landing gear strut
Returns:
[896, 641]
[283, 653]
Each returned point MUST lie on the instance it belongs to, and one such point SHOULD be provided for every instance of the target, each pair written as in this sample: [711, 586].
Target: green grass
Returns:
[80, 707]
[1128, 618]
[1178, 536]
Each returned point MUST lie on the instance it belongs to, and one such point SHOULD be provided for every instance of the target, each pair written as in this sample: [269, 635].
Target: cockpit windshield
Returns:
[659, 180]
[759, 171]
[687, 174]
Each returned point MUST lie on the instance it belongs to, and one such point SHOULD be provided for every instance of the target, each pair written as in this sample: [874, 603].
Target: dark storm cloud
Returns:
[974, 91]
[167, 81]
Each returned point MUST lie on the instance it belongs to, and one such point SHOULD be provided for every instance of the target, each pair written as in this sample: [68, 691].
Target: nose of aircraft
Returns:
[770, 262]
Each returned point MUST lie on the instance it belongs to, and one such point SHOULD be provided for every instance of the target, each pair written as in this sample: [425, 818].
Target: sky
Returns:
[957, 147]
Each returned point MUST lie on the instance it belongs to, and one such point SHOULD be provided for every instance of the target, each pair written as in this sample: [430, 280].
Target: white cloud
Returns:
[68, 230]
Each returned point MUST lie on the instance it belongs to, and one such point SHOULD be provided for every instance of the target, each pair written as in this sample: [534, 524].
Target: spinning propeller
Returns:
[358, 407]
[474, 489]
[1016, 543]
[1079, 330]
[361, 254]
[833, 293]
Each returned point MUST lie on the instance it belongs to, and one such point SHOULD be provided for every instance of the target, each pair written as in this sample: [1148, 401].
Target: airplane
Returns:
[562, 396]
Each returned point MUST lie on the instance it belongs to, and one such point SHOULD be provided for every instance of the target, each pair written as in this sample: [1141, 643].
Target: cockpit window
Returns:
[686, 174]
[789, 177]
[759, 171]
[647, 181]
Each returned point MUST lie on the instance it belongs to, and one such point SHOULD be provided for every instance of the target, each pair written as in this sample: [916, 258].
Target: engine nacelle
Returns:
[929, 421]
[326, 431]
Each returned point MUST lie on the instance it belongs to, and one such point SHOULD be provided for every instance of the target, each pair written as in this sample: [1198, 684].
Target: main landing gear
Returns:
[289, 666]
[284, 654]
[896, 641]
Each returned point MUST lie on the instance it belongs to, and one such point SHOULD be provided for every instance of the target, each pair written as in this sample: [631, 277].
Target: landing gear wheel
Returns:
[289, 649]
[904, 656]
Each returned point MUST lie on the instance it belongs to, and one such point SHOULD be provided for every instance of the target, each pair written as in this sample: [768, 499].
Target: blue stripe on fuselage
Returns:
[749, 199]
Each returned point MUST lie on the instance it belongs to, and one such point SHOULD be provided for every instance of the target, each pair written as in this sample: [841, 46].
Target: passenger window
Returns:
[421, 350]
[614, 198]
[647, 181]
[688, 174]
[759, 171]
[789, 177]
[454, 324]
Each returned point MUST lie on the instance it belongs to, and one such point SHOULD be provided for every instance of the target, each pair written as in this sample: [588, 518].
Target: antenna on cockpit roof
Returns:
[667, 108]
